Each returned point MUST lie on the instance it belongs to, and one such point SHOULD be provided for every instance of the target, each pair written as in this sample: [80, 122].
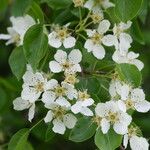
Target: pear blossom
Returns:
[60, 118]
[82, 104]
[112, 115]
[98, 5]
[19, 27]
[120, 39]
[97, 17]
[61, 36]
[128, 57]
[34, 85]
[19, 104]
[94, 42]
[71, 79]
[136, 142]
[59, 94]
[69, 64]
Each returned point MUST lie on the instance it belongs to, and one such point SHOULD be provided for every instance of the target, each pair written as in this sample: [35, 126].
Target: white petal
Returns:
[90, 33]
[48, 97]
[69, 42]
[71, 93]
[139, 64]
[69, 120]
[131, 55]
[122, 105]
[120, 128]
[51, 84]
[53, 40]
[89, 4]
[76, 108]
[106, 4]
[101, 110]
[55, 67]
[86, 111]
[75, 68]
[5, 36]
[48, 117]
[125, 89]
[30, 94]
[139, 143]
[60, 56]
[99, 51]
[88, 102]
[62, 102]
[75, 56]
[142, 106]
[125, 26]
[20, 104]
[109, 40]
[59, 126]
[89, 45]
[125, 140]
[103, 26]
[31, 112]
[137, 94]
[105, 125]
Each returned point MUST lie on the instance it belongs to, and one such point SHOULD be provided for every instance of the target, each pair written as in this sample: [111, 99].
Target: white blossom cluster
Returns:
[62, 99]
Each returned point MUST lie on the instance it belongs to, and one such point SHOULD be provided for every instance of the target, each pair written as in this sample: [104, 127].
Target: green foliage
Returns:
[3, 98]
[17, 62]
[130, 74]
[84, 129]
[109, 141]
[127, 9]
[35, 45]
[19, 140]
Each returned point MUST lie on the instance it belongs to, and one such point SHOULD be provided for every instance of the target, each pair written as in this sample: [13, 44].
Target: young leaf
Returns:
[130, 74]
[19, 140]
[127, 9]
[109, 141]
[35, 45]
[17, 62]
[83, 130]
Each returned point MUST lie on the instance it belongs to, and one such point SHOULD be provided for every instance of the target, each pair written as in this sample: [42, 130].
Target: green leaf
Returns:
[109, 141]
[19, 140]
[127, 9]
[58, 4]
[36, 12]
[130, 74]
[49, 133]
[136, 32]
[28, 146]
[83, 130]
[20, 7]
[35, 45]
[17, 62]
[3, 98]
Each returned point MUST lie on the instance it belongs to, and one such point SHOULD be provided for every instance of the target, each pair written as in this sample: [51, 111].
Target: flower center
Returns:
[59, 112]
[16, 38]
[39, 87]
[67, 65]
[132, 131]
[78, 3]
[83, 95]
[97, 38]
[113, 117]
[97, 120]
[129, 103]
[60, 91]
[96, 18]
[70, 78]
[62, 34]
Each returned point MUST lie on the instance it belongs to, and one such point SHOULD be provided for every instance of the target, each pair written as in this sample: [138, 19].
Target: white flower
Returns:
[96, 6]
[59, 93]
[20, 104]
[71, 79]
[95, 41]
[128, 57]
[133, 98]
[82, 104]
[112, 115]
[61, 36]
[69, 64]
[60, 118]
[19, 27]
[33, 86]
[120, 39]
[136, 142]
